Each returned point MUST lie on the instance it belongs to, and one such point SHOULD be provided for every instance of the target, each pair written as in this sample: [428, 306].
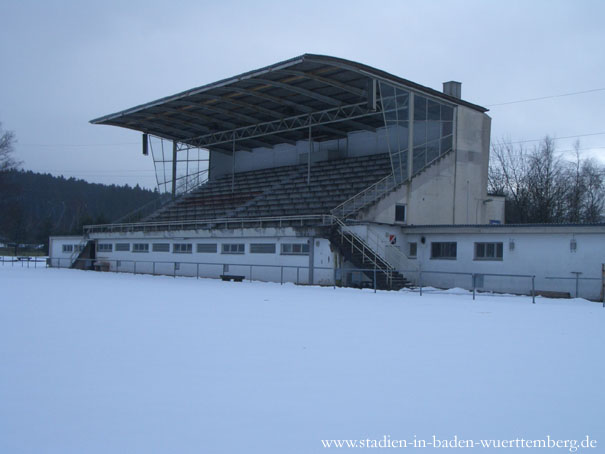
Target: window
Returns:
[262, 248]
[412, 249]
[207, 248]
[295, 249]
[140, 247]
[68, 248]
[104, 247]
[399, 213]
[443, 250]
[488, 251]
[182, 248]
[160, 247]
[233, 248]
[122, 247]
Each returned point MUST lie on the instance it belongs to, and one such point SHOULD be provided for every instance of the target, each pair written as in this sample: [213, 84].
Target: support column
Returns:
[174, 168]
[311, 273]
[411, 136]
[309, 157]
[233, 166]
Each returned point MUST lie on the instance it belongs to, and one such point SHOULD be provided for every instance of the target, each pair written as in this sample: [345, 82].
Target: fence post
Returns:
[533, 290]
[420, 281]
[577, 273]
[197, 271]
[135, 267]
[603, 283]
[281, 277]
[250, 273]
[153, 269]
[473, 286]
[174, 271]
[334, 278]
[374, 278]
[297, 274]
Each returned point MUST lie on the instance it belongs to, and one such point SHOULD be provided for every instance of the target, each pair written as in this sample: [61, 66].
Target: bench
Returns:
[227, 277]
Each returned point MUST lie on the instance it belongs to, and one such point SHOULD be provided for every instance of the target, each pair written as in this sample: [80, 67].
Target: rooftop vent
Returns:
[453, 88]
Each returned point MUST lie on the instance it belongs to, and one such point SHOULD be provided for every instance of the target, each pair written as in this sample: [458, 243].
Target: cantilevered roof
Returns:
[271, 105]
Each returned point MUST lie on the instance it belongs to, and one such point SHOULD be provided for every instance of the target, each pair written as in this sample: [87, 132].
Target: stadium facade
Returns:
[307, 169]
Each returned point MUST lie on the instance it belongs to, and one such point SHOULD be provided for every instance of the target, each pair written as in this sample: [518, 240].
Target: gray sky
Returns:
[66, 62]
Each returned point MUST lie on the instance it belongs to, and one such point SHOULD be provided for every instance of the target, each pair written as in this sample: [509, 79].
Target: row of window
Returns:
[207, 248]
[449, 250]
[73, 247]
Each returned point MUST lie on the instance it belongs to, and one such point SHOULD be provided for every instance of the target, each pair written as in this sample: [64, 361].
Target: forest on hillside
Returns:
[34, 206]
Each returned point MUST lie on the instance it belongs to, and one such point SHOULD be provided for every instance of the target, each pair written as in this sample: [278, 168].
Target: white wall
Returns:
[266, 267]
[540, 251]
[59, 258]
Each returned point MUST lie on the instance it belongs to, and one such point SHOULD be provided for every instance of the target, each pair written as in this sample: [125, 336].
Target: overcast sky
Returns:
[63, 63]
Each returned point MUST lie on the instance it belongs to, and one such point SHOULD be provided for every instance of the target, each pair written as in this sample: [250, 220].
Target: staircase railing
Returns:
[358, 243]
[365, 197]
[387, 251]
[78, 248]
[145, 210]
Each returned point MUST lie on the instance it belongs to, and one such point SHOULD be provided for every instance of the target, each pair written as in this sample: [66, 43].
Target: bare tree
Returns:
[7, 148]
[508, 173]
[593, 200]
[547, 184]
[542, 187]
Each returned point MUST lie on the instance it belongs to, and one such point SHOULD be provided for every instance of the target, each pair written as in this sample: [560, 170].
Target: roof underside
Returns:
[299, 86]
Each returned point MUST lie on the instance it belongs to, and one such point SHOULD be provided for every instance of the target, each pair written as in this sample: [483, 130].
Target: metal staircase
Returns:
[84, 256]
[356, 250]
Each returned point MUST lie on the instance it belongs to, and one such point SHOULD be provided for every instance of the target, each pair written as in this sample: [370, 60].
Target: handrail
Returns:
[78, 248]
[387, 269]
[154, 204]
[387, 247]
[342, 208]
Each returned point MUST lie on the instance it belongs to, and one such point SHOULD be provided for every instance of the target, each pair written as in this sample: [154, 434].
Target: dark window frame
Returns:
[239, 249]
[444, 250]
[490, 251]
[182, 248]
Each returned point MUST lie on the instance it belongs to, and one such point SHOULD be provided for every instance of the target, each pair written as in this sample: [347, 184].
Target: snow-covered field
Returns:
[107, 363]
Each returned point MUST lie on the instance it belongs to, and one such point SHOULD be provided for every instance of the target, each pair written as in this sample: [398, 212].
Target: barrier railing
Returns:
[367, 278]
[365, 197]
[473, 279]
[207, 223]
[577, 280]
[24, 260]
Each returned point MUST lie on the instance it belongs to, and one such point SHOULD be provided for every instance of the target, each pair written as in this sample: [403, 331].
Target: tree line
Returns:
[34, 206]
[541, 185]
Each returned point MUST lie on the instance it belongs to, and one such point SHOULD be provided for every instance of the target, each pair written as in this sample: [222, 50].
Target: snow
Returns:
[103, 363]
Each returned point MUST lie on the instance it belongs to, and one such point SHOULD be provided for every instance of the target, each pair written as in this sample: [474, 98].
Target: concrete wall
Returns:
[472, 160]
[428, 197]
[453, 190]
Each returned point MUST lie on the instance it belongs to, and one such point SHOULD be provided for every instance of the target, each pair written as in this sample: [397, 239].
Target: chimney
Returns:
[453, 88]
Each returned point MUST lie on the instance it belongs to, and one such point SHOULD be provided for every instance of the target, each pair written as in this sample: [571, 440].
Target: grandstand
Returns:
[314, 163]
